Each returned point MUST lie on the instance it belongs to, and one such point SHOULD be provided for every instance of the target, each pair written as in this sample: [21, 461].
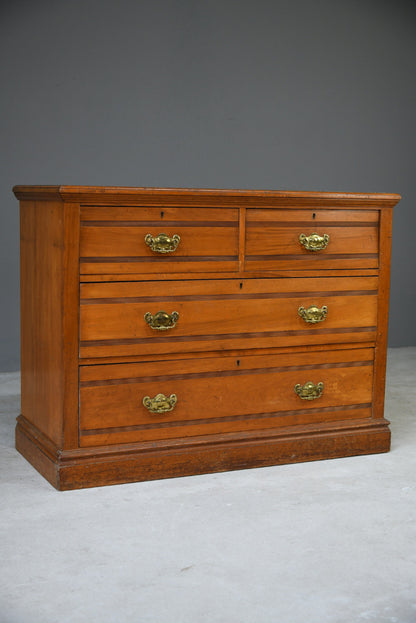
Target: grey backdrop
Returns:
[273, 94]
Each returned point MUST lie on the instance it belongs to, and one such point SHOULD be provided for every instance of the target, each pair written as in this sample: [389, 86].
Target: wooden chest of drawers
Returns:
[170, 332]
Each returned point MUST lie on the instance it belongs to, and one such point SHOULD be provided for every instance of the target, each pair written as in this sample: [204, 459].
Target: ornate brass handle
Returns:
[314, 242]
[162, 321]
[313, 314]
[309, 391]
[160, 403]
[162, 243]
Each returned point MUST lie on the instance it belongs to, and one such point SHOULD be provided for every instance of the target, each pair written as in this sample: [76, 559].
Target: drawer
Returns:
[153, 240]
[189, 316]
[311, 239]
[222, 395]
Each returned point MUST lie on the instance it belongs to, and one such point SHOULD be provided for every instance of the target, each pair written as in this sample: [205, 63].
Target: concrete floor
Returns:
[324, 542]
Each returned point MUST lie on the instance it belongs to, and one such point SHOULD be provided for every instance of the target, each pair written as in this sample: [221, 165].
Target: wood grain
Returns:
[232, 391]
[275, 240]
[382, 312]
[112, 315]
[237, 280]
[49, 331]
[116, 195]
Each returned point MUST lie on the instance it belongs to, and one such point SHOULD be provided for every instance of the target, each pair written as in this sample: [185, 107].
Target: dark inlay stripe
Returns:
[230, 418]
[220, 297]
[219, 336]
[311, 224]
[222, 373]
[311, 256]
[162, 258]
[162, 223]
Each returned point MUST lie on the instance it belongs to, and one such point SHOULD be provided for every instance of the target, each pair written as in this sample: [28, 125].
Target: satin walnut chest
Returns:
[171, 332]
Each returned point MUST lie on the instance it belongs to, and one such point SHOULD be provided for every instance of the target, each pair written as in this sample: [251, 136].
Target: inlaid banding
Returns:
[232, 418]
[223, 373]
[225, 336]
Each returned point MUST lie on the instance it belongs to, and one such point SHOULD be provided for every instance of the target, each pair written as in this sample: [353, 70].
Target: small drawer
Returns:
[311, 239]
[143, 240]
[152, 318]
[127, 403]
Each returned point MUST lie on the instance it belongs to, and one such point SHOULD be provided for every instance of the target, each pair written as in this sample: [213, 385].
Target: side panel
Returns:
[48, 337]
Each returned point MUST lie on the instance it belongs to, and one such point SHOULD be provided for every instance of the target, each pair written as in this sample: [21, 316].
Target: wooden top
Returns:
[100, 195]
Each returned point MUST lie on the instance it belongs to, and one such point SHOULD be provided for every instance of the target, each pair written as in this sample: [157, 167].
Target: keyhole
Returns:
[313, 215]
[161, 214]
[238, 362]
[241, 286]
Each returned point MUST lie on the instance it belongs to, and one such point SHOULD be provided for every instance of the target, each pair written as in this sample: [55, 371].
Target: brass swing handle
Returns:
[313, 314]
[314, 242]
[160, 403]
[162, 321]
[162, 243]
[309, 391]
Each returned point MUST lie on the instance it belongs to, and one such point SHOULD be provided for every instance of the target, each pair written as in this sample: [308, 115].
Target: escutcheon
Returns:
[309, 391]
[160, 403]
[314, 242]
[162, 243]
[313, 314]
[162, 321]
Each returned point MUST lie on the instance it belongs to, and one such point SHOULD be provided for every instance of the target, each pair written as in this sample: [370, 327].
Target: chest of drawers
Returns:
[170, 332]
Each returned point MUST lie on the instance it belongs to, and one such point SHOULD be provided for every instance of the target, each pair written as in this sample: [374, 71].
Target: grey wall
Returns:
[272, 94]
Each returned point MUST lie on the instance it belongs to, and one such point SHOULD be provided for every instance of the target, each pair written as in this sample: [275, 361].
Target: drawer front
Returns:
[121, 319]
[307, 239]
[141, 240]
[219, 396]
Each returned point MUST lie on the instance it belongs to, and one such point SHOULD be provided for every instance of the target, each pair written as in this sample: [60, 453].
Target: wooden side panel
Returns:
[48, 337]
[71, 314]
[383, 312]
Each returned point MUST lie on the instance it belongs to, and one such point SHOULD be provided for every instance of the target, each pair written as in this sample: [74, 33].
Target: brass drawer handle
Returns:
[314, 242]
[309, 391]
[160, 403]
[162, 321]
[313, 314]
[162, 243]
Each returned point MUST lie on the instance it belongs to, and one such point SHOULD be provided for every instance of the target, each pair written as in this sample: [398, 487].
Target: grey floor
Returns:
[324, 542]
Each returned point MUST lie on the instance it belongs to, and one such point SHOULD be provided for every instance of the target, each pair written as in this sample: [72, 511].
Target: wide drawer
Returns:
[311, 239]
[144, 240]
[222, 395]
[219, 314]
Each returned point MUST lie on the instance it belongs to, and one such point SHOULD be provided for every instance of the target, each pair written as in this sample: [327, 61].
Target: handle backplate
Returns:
[160, 403]
[162, 243]
[309, 391]
[162, 321]
[313, 314]
[314, 242]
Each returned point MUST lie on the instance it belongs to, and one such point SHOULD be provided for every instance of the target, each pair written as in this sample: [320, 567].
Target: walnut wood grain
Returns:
[250, 387]
[116, 195]
[237, 280]
[49, 318]
[243, 394]
[107, 465]
[123, 322]
[275, 240]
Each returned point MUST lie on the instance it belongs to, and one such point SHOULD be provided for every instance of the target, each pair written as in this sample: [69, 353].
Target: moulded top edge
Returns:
[202, 196]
